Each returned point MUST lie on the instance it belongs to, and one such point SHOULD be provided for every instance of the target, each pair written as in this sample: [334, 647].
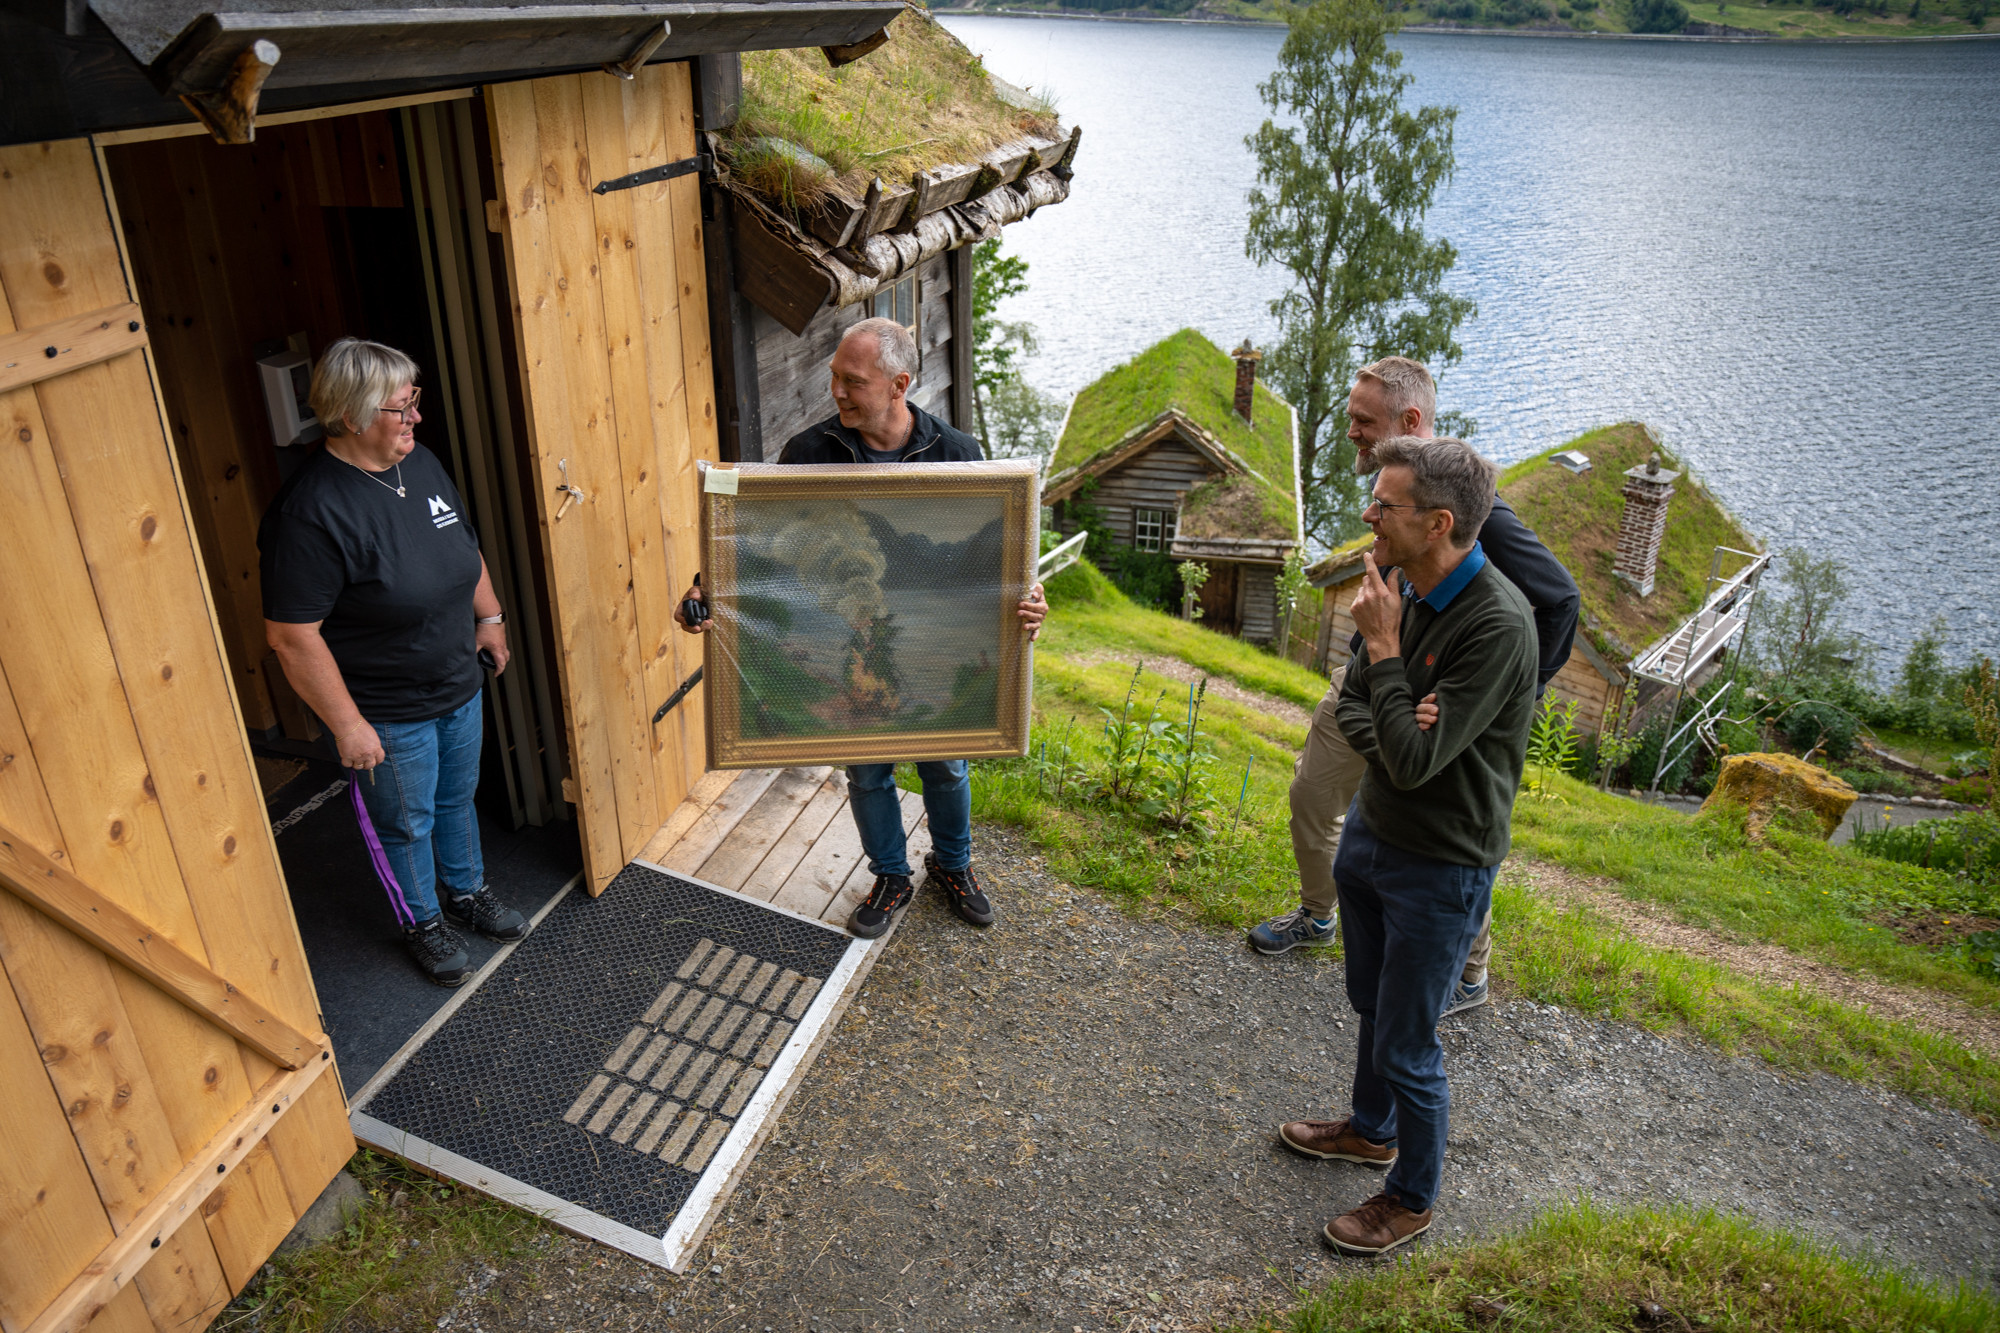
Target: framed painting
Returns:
[867, 613]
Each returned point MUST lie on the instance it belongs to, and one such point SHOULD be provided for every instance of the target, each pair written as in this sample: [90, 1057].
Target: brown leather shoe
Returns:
[1334, 1140]
[1377, 1227]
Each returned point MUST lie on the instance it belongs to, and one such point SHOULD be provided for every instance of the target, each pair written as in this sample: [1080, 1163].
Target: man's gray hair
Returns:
[896, 349]
[355, 377]
[1446, 474]
[1406, 384]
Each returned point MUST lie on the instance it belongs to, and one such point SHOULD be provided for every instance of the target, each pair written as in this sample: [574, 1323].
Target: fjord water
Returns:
[1785, 258]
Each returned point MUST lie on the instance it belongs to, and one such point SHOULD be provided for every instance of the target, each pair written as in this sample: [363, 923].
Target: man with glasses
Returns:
[1396, 397]
[1430, 824]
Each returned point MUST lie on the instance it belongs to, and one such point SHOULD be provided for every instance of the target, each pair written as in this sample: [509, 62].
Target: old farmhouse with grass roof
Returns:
[1180, 454]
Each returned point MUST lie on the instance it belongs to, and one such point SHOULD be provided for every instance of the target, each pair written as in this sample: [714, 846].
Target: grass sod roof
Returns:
[921, 101]
[1188, 372]
[1577, 518]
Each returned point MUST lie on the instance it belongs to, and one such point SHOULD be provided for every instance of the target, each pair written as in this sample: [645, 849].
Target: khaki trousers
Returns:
[1324, 781]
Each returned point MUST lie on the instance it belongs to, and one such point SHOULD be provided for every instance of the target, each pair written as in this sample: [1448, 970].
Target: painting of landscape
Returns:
[852, 621]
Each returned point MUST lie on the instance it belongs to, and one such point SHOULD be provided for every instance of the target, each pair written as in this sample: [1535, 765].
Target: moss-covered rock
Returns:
[1764, 785]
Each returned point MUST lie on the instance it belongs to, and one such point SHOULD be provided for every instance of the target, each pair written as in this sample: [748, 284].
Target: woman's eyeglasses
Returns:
[404, 412]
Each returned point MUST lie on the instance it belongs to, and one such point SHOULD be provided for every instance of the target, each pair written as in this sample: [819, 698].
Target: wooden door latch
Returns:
[570, 494]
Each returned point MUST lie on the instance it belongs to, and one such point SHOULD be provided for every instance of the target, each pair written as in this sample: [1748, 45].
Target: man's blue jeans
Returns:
[878, 814]
[421, 802]
[1407, 922]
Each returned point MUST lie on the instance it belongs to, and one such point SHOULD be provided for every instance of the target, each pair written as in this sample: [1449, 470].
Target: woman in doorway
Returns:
[379, 607]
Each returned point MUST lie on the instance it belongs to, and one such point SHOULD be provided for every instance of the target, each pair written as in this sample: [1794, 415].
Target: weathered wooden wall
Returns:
[231, 250]
[1154, 479]
[124, 763]
[1259, 603]
[610, 298]
[792, 371]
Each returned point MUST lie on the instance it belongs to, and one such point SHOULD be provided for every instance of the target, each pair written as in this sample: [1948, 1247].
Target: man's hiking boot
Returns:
[1281, 934]
[891, 894]
[1377, 1227]
[1336, 1141]
[1464, 997]
[962, 889]
[482, 912]
[438, 951]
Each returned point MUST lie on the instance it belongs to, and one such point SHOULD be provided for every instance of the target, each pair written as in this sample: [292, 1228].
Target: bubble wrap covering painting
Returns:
[867, 613]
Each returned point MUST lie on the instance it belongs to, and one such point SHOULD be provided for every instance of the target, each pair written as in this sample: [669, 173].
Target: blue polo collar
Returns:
[1452, 584]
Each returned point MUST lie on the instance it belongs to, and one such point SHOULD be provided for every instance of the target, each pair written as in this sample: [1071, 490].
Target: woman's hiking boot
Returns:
[482, 912]
[962, 889]
[439, 952]
[891, 894]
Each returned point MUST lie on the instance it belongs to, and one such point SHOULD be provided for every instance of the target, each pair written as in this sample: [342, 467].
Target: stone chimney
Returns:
[1647, 490]
[1247, 358]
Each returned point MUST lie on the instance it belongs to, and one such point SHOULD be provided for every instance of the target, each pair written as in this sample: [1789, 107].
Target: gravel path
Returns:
[1065, 1123]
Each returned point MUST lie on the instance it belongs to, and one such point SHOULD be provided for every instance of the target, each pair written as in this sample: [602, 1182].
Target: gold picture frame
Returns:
[866, 613]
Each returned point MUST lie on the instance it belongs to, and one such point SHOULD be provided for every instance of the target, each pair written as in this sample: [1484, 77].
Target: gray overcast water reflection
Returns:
[1786, 259]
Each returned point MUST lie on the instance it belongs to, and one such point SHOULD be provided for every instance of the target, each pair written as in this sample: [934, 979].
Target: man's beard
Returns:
[1364, 462]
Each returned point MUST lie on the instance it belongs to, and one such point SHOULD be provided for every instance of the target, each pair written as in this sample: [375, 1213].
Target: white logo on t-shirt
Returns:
[441, 515]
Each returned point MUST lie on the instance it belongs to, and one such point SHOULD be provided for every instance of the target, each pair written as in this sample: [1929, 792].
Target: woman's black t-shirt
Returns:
[389, 577]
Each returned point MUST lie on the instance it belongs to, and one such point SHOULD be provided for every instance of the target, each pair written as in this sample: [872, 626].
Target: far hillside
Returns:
[1841, 18]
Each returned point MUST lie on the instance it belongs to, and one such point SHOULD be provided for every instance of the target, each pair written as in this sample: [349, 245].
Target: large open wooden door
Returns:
[167, 1115]
[612, 313]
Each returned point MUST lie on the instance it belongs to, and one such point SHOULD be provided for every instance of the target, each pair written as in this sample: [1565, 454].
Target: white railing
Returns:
[1062, 557]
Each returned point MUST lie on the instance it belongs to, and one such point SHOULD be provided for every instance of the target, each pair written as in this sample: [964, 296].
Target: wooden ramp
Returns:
[647, 1153]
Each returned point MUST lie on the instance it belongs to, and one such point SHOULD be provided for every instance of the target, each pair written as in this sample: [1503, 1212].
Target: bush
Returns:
[1646, 755]
[1967, 844]
[1817, 725]
[1148, 578]
[1871, 780]
[1658, 16]
[1975, 790]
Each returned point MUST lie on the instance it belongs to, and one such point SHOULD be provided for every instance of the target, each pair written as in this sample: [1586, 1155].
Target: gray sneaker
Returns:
[1465, 997]
[1281, 934]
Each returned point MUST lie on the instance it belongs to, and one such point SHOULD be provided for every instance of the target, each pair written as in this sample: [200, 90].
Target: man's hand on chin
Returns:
[1378, 612]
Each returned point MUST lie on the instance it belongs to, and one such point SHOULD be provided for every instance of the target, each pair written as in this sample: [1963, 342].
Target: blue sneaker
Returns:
[1465, 997]
[1281, 934]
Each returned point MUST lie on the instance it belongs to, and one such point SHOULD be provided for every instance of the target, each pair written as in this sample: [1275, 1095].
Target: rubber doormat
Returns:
[629, 1045]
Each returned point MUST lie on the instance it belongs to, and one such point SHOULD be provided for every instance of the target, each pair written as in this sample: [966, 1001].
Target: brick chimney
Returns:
[1247, 358]
[1647, 490]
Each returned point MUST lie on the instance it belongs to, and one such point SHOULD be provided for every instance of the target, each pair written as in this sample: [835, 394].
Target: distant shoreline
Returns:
[1734, 38]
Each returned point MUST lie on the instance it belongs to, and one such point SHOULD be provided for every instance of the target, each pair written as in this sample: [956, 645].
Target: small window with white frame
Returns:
[1152, 529]
[898, 301]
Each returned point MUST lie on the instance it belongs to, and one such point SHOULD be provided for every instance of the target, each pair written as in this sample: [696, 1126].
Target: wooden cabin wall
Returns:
[1155, 479]
[1260, 603]
[124, 764]
[231, 252]
[792, 370]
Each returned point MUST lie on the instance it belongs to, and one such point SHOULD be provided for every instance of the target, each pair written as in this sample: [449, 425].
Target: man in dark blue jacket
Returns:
[1396, 396]
[875, 423]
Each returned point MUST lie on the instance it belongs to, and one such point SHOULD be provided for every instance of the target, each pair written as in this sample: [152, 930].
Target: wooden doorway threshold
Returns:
[778, 843]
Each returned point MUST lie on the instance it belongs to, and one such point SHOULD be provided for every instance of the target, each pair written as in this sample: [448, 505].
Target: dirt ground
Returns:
[1066, 1123]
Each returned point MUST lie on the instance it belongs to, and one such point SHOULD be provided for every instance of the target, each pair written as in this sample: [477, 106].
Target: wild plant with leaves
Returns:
[1184, 790]
[1552, 746]
[1193, 574]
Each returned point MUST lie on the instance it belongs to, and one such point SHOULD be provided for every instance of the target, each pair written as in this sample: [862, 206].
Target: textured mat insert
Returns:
[606, 1060]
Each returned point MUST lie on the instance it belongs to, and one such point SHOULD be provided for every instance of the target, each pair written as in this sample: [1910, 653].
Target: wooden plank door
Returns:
[611, 305]
[162, 1085]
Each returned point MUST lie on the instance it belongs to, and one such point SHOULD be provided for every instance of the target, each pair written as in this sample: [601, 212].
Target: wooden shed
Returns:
[185, 193]
[1180, 454]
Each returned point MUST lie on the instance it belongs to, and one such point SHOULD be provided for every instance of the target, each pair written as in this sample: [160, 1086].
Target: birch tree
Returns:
[1339, 204]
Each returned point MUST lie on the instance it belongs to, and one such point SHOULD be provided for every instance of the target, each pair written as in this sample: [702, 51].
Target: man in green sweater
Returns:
[1431, 823]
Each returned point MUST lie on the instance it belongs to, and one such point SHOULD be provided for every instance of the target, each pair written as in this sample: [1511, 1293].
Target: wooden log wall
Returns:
[231, 251]
[1155, 479]
[125, 767]
[792, 370]
[1259, 617]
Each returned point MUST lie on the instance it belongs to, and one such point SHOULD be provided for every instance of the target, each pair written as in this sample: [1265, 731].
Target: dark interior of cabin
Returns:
[249, 260]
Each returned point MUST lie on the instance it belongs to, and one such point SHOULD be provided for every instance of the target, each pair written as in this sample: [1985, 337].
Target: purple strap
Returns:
[377, 855]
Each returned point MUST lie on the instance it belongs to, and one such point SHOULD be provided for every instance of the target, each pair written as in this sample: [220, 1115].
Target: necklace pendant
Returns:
[401, 492]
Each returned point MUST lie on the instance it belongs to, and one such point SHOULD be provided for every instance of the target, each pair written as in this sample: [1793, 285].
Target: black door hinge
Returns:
[677, 696]
[687, 166]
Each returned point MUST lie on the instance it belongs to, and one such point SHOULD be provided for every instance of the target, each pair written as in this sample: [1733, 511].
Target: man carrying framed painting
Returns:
[871, 373]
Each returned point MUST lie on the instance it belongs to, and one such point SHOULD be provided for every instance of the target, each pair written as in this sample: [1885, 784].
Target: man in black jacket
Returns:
[1396, 396]
[875, 423]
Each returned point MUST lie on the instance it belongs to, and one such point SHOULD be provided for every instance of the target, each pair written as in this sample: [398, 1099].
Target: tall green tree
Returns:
[1013, 417]
[1339, 203]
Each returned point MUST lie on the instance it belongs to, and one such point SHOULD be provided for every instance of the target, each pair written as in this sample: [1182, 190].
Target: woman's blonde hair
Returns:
[353, 379]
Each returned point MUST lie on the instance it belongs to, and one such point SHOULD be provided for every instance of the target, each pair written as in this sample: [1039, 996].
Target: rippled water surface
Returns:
[1786, 259]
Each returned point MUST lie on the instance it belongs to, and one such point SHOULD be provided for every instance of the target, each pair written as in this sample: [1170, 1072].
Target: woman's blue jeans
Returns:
[1406, 922]
[421, 802]
[878, 814]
